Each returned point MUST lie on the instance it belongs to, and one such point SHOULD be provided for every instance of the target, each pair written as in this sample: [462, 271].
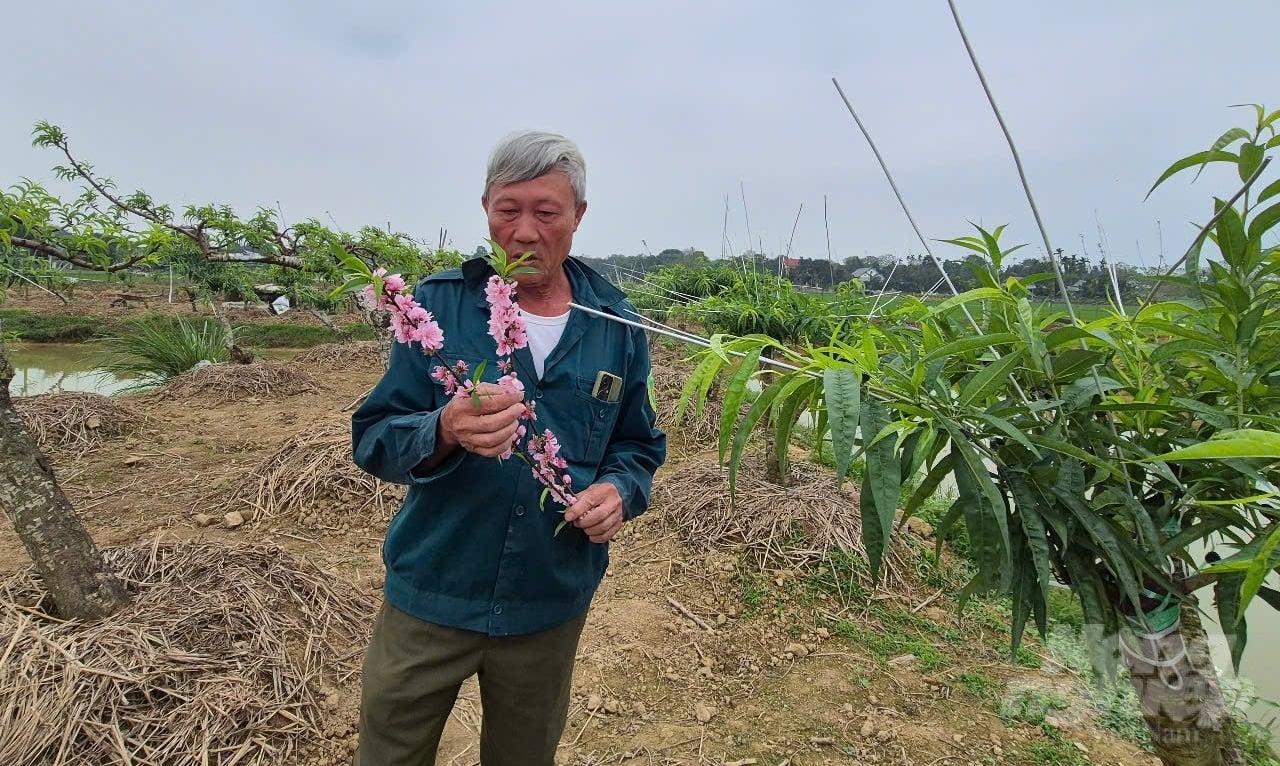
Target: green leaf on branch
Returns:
[882, 486]
[1243, 443]
[842, 390]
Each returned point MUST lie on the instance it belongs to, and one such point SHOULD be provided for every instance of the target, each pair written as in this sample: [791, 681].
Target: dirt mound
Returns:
[338, 355]
[74, 422]
[219, 659]
[229, 382]
[311, 480]
[776, 526]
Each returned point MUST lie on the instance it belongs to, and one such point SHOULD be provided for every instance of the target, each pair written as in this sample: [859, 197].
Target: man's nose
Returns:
[525, 230]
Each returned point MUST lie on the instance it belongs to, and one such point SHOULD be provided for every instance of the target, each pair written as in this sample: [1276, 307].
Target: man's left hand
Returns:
[598, 512]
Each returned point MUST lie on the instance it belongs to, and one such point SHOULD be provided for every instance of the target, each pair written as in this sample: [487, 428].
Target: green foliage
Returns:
[979, 685]
[1030, 705]
[153, 352]
[221, 254]
[1088, 453]
[49, 328]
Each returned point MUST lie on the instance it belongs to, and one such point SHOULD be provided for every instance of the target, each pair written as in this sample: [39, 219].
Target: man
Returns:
[477, 582]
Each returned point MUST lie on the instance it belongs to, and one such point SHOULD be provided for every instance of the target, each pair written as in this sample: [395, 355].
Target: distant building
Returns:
[868, 276]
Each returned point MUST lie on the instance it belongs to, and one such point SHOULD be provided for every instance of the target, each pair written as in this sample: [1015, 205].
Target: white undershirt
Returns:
[543, 333]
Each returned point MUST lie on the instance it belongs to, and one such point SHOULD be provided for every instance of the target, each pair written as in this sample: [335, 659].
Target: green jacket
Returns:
[470, 548]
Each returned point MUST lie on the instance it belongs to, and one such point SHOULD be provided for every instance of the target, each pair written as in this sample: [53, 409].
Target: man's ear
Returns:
[484, 202]
[577, 214]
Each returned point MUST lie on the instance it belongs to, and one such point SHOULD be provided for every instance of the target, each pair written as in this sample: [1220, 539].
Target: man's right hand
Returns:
[485, 429]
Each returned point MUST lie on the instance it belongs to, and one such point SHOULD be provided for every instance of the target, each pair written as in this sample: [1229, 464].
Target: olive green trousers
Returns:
[414, 669]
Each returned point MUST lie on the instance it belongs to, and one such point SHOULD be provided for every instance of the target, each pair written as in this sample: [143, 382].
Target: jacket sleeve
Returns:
[637, 448]
[395, 429]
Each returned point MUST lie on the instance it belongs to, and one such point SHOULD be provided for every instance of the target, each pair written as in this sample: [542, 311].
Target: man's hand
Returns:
[598, 512]
[486, 429]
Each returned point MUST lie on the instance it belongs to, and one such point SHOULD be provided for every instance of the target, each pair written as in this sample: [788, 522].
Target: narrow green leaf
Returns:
[1258, 571]
[1035, 532]
[733, 396]
[1226, 592]
[981, 293]
[842, 389]
[1007, 428]
[882, 487]
[761, 406]
[1265, 221]
[1231, 235]
[1070, 333]
[1250, 159]
[965, 345]
[990, 378]
[798, 391]
[929, 486]
[1244, 443]
[1199, 159]
[1272, 190]
[699, 383]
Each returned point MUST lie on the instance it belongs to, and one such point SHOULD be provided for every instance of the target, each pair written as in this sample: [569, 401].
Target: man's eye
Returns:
[546, 214]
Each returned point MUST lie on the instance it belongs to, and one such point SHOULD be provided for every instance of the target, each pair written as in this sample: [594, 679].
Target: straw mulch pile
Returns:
[220, 658]
[229, 382]
[358, 354]
[311, 479]
[74, 423]
[775, 527]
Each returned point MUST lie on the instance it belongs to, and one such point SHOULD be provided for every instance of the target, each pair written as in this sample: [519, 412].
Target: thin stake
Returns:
[1204, 230]
[827, 226]
[1017, 160]
[920, 236]
[688, 338]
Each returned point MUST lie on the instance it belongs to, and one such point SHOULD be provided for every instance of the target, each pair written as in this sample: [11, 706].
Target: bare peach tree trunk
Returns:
[64, 554]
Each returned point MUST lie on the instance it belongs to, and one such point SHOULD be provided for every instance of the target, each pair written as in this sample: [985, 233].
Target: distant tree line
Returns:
[1086, 280]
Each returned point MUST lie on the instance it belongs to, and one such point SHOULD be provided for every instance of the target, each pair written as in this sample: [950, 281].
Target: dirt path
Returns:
[781, 670]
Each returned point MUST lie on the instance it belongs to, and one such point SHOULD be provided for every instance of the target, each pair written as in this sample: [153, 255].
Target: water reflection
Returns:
[41, 368]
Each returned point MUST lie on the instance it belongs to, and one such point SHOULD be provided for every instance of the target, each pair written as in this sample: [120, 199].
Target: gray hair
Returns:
[528, 154]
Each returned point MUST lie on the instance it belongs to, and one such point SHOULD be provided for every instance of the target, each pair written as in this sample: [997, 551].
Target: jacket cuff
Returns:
[425, 446]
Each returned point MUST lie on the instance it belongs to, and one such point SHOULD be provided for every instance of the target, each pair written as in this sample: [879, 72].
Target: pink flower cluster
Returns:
[411, 322]
[548, 465]
[506, 325]
[414, 324]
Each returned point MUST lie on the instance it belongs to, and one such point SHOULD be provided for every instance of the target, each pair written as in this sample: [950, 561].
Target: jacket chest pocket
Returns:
[597, 417]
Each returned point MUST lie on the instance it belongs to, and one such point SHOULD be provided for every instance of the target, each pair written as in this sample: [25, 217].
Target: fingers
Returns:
[484, 430]
[598, 512]
[490, 399]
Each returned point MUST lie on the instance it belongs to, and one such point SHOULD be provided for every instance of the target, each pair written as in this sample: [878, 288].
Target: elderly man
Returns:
[477, 582]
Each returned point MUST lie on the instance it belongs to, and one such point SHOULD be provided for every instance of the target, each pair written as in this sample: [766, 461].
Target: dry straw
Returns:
[309, 471]
[73, 423]
[220, 659]
[774, 526]
[229, 382]
[360, 354]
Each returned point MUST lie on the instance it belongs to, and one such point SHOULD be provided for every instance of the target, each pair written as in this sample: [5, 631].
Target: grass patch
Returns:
[886, 646]
[295, 335]
[979, 685]
[155, 351]
[49, 328]
[1031, 706]
[62, 328]
[1052, 749]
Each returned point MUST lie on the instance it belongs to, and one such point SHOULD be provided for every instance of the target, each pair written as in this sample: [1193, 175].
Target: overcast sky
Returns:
[384, 112]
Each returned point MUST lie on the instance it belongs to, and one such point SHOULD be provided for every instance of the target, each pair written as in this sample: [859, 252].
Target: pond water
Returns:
[41, 368]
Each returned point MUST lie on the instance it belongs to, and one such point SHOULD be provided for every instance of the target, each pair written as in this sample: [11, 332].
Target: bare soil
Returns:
[768, 680]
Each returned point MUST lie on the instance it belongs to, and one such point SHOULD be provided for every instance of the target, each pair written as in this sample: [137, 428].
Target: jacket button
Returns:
[497, 609]
[537, 393]
[519, 510]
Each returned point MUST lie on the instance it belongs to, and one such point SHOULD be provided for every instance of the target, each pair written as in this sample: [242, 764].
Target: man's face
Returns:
[537, 216]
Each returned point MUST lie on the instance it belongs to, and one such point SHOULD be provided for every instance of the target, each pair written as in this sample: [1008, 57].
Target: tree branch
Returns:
[62, 254]
[287, 261]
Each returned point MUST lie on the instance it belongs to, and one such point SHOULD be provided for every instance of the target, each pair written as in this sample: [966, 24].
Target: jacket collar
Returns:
[589, 288]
